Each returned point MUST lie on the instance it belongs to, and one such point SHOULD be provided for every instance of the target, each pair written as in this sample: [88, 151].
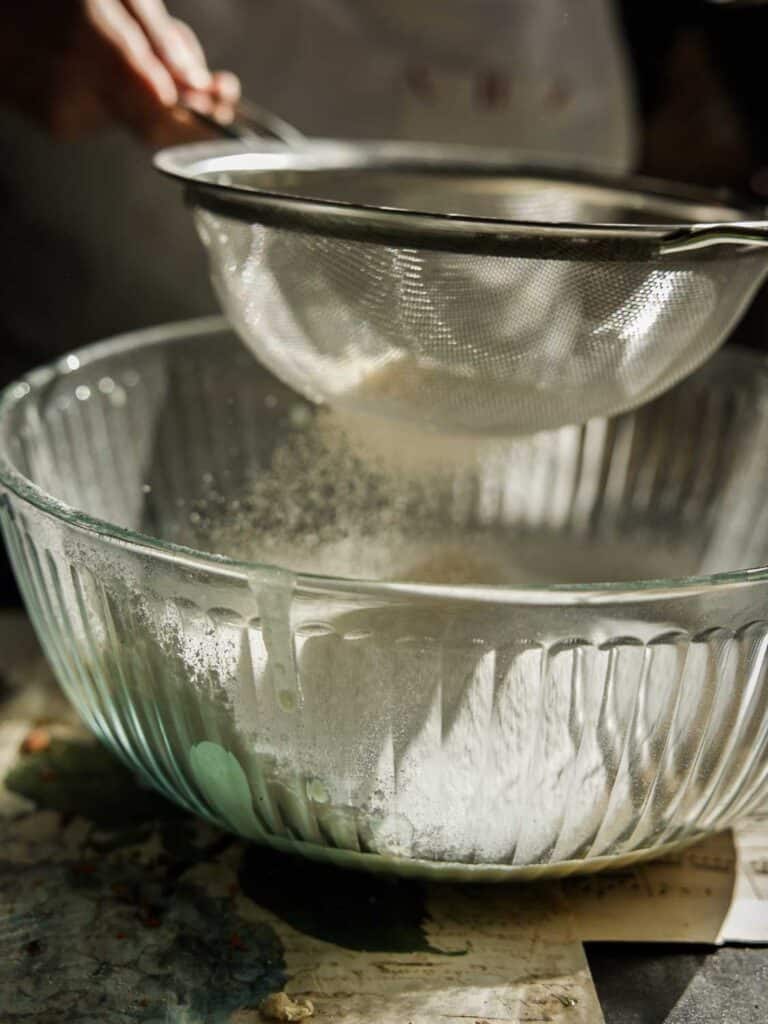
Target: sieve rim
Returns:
[698, 211]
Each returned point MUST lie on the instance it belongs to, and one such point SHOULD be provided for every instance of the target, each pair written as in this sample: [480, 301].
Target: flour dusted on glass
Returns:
[386, 710]
[409, 729]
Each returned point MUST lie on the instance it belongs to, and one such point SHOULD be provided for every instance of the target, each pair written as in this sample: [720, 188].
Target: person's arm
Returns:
[76, 66]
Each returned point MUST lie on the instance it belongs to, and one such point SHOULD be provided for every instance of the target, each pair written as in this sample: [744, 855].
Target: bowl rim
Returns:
[257, 573]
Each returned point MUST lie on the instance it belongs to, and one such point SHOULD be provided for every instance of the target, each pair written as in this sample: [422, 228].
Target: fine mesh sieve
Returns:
[444, 286]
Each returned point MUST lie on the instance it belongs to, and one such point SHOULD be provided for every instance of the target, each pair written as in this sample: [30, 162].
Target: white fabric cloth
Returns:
[548, 76]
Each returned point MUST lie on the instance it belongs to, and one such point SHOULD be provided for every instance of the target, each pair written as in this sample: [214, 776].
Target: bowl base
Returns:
[451, 871]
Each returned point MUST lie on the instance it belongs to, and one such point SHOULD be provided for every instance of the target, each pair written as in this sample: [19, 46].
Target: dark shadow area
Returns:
[348, 908]
[9, 591]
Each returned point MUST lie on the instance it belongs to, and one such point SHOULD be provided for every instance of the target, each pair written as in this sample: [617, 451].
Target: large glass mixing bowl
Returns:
[458, 658]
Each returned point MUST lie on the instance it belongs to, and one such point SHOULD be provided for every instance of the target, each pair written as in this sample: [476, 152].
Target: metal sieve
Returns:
[448, 286]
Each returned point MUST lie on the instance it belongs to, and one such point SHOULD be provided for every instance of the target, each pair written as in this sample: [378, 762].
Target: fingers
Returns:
[226, 87]
[174, 42]
[220, 101]
[188, 40]
[131, 49]
[142, 62]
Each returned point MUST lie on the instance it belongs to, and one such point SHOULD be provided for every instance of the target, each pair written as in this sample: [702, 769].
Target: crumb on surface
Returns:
[280, 1006]
[567, 1000]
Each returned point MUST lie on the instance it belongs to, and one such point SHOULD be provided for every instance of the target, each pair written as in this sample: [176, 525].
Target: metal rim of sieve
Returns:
[696, 221]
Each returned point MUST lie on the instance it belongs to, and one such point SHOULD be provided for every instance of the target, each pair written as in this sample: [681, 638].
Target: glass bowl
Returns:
[456, 658]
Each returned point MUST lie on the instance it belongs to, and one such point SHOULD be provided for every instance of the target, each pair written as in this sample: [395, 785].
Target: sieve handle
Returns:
[251, 123]
[743, 233]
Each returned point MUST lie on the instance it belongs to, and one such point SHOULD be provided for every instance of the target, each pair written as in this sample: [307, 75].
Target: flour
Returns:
[466, 731]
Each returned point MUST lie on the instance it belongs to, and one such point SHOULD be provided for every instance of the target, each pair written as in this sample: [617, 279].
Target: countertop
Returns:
[117, 907]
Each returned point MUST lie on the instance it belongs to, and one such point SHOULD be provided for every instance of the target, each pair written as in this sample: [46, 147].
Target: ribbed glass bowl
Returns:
[485, 659]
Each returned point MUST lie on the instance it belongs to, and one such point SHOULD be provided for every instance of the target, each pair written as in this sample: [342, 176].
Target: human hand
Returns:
[79, 66]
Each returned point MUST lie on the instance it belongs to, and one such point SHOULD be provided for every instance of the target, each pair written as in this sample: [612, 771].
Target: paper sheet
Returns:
[747, 919]
[516, 959]
[714, 892]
